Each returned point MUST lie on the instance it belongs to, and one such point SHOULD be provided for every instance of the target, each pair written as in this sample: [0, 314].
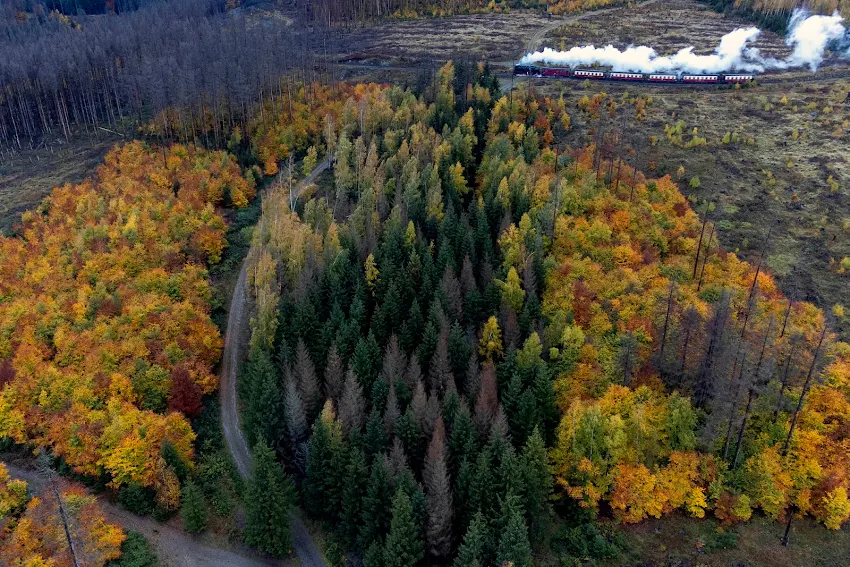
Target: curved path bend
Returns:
[174, 547]
[235, 342]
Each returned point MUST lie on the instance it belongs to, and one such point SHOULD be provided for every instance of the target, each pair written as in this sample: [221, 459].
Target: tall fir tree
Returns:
[536, 486]
[471, 552]
[269, 498]
[193, 509]
[353, 492]
[263, 398]
[325, 457]
[403, 547]
[439, 495]
[514, 547]
[374, 520]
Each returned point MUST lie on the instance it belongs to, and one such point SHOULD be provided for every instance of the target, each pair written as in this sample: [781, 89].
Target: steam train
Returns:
[527, 70]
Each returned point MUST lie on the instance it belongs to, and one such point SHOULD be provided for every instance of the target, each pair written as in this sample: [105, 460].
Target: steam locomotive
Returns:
[527, 70]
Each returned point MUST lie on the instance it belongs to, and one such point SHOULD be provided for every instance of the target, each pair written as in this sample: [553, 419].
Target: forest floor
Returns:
[25, 178]
[677, 541]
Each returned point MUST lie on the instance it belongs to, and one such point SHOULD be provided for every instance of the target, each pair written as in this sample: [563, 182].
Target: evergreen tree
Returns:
[481, 496]
[324, 467]
[374, 556]
[536, 485]
[412, 328]
[295, 420]
[459, 348]
[392, 413]
[463, 440]
[352, 407]
[263, 399]
[514, 547]
[408, 432]
[374, 521]
[375, 439]
[269, 498]
[334, 375]
[471, 552]
[439, 495]
[193, 509]
[353, 491]
[308, 382]
[403, 547]
[367, 361]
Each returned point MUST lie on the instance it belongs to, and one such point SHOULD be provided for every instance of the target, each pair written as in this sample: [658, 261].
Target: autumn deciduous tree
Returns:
[42, 532]
[122, 349]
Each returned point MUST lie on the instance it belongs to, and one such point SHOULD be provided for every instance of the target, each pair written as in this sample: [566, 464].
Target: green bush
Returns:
[135, 552]
[722, 539]
[137, 499]
[587, 541]
[193, 509]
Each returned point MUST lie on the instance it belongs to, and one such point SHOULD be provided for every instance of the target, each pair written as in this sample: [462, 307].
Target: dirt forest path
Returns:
[174, 547]
[235, 349]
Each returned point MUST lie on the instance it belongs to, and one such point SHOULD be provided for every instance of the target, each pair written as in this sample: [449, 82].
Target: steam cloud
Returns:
[808, 36]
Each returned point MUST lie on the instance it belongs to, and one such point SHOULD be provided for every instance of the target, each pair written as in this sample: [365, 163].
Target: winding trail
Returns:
[174, 547]
[235, 342]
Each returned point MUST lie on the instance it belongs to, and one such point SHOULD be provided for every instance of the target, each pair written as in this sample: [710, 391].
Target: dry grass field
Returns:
[668, 26]
[27, 177]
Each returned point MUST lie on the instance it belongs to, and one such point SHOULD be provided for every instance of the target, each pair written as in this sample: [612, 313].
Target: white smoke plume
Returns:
[809, 37]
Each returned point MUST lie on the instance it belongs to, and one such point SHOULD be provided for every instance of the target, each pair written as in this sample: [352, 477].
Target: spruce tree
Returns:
[536, 484]
[295, 421]
[352, 407]
[374, 556]
[439, 495]
[269, 498]
[193, 509]
[308, 382]
[375, 439]
[353, 491]
[514, 547]
[324, 467]
[403, 547]
[374, 522]
[263, 399]
[471, 552]
[367, 361]
[334, 375]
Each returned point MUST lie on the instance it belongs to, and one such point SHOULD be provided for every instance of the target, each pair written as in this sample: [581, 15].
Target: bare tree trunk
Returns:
[666, 324]
[705, 259]
[803, 393]
[699, 244]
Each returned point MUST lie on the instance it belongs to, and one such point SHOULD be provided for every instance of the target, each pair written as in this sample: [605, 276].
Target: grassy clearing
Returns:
[668, 26]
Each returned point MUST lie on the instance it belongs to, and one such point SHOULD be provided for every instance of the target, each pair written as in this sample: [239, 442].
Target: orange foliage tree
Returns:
[38, 536]
[105, 309]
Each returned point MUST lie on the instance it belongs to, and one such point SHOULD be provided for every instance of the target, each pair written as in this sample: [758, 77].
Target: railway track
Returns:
[842, 72]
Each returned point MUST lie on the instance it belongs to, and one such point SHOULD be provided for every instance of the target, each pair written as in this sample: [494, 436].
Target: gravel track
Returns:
[235, 342]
